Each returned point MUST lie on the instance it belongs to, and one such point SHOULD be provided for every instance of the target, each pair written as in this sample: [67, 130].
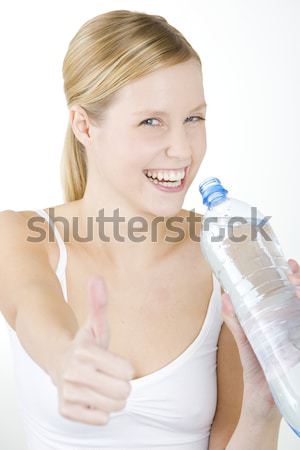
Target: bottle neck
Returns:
[212, 192]
[215, 198]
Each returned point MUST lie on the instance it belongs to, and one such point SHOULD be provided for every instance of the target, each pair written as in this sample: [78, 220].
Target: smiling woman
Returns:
[139, 350]
[170, 140]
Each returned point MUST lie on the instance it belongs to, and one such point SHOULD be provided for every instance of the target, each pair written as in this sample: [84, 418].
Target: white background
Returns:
[250, 53]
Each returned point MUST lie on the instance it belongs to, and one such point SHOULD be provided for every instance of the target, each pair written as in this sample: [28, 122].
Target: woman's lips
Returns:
[171, 188]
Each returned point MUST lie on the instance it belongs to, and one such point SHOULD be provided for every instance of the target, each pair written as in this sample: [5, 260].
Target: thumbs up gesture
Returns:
[91, 381]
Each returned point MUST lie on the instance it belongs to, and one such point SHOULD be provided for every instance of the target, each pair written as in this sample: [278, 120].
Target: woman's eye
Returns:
[146, 122]
[195, 117]
[189, 119]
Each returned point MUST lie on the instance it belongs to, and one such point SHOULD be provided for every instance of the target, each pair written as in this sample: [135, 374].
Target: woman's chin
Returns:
[168, 210]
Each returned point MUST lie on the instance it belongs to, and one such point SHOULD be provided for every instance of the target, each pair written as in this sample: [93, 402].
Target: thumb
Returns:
[97, 324]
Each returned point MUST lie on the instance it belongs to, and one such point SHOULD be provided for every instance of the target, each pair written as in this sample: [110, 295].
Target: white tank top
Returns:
[171, 408]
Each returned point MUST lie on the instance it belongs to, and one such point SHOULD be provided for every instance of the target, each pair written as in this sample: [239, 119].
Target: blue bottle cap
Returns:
[212, 191]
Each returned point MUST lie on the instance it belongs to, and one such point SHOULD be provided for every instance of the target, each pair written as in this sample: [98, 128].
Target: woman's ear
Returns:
[80, 124]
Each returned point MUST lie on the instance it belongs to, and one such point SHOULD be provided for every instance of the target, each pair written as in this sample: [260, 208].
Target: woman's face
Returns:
[155, 122]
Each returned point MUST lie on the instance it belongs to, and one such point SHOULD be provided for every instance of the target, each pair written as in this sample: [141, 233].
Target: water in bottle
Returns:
[245, 255]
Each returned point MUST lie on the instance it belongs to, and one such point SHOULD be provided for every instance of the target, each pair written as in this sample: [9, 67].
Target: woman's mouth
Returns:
[167, 180]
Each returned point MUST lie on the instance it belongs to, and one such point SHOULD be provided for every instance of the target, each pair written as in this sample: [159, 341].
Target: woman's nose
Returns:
[179, 145]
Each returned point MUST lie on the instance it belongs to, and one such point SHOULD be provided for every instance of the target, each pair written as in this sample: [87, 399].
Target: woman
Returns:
[115, 336]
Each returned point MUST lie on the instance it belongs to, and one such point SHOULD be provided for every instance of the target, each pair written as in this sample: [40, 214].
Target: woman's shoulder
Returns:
[192, 221]
[190, 249]
[28, 216]
[191, 214]
[20, 231]
[12, 220]
[30, 227]
[21, 216]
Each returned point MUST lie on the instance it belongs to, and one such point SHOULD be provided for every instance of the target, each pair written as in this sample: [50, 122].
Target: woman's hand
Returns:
[257, 396]
[91, 381]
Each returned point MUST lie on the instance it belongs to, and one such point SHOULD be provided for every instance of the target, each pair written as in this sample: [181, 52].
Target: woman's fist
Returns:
[91, 381]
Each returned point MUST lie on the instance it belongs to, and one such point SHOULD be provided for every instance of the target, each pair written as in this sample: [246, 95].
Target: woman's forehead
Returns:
[163, 89]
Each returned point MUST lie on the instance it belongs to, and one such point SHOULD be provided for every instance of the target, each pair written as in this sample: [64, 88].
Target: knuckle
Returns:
[74, 374]
[120, 405]
[115, 405]
[80, 353]
[68, 375]
[68, 394]
[103, 418]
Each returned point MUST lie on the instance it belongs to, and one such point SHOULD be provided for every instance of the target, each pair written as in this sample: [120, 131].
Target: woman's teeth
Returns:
[166, 178]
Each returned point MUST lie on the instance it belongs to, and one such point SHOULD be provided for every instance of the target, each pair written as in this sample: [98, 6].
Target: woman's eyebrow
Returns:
[201, 106]
[164, 113]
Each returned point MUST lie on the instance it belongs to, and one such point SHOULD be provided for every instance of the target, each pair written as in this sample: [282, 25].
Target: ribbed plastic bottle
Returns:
[243, 252]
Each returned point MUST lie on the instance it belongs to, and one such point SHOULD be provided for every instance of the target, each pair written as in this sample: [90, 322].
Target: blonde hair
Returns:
[108, 52]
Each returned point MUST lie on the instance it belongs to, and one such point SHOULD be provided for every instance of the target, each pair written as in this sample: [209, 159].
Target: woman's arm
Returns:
[233, 427]
[236, 426]
[31, 299]
[255, 433]
[229, 391]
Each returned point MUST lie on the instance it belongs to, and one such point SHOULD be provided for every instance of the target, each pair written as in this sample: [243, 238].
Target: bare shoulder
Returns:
[23, 258]
[10, 217]
[19, 231]
[12, 221]
[192, 224]
[26, 228]
[192, 215]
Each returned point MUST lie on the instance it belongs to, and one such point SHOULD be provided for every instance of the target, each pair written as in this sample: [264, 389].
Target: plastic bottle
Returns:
[245, 255]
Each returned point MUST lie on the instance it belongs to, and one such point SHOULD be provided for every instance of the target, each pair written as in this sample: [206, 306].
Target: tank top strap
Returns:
[62, 263]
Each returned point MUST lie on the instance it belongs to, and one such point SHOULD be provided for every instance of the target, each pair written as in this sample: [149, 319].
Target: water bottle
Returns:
[243, 252]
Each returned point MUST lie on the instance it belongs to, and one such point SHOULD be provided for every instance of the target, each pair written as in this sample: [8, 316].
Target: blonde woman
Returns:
[115, 340]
